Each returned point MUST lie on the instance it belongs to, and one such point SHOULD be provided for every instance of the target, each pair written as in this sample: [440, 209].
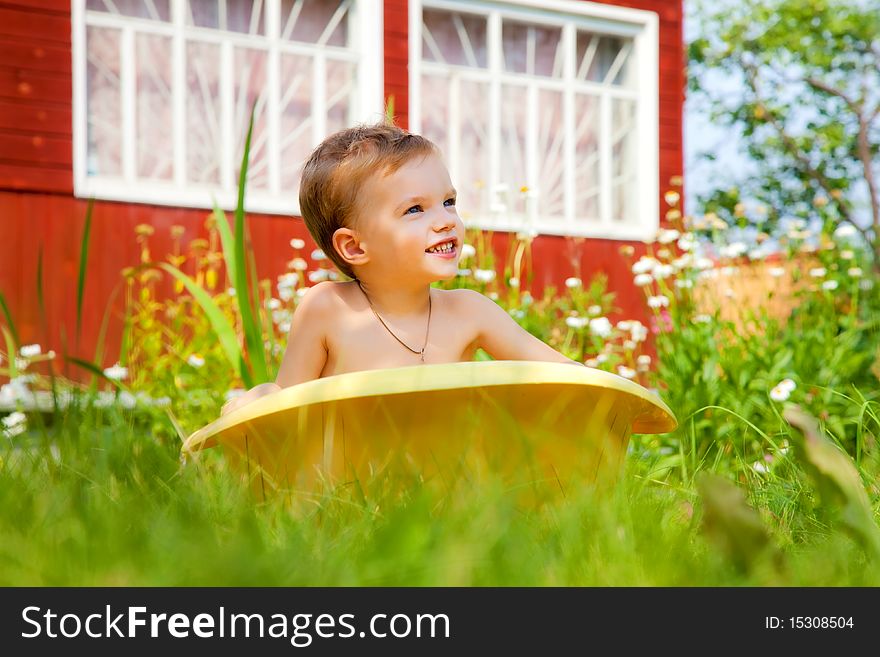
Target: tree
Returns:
[808, 108]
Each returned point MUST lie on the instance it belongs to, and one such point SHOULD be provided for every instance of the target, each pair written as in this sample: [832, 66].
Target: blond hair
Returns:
[336, 171]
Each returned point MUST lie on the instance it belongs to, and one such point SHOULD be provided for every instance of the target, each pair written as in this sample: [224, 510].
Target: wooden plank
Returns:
[36, 150]
[28, 117]
[18, 177]
[37, 26]
[44, 6]
[35, 57]
[17, 84]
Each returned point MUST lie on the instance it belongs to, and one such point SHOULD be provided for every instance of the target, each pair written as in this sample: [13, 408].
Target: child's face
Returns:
[408, 212]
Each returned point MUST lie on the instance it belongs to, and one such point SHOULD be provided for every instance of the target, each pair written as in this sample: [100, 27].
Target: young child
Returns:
[379, 202]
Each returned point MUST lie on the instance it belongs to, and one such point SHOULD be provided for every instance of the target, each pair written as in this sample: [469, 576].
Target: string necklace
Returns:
[421, 352]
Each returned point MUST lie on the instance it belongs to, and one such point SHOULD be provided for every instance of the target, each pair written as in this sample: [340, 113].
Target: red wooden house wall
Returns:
[39, 214]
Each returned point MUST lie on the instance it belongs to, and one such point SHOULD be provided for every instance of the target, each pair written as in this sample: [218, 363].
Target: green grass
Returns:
[102, 499]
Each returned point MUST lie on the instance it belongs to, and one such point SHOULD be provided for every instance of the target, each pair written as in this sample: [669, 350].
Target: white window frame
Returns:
[642, 26]
[368, 53]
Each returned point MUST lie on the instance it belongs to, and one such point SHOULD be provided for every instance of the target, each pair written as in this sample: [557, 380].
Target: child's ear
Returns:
[348, 246]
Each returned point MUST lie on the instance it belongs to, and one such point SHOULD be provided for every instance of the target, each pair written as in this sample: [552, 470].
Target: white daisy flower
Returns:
[117, 372]
[760, 467]
[639, 332]
[297, 243]
[659, 301]
[600, 326]
[818, 272]
[30, 350]
[318, 254]
[666, 236]
[643, 279]
[626, 372]
[780, 393]
[788, 384]
[576, 322]
[855, 272]
[572, 282]
[592, 362]
[703, 319]
[829, 285]
[467, 251]
[602, 358]
[845, 230]
[485, 275]
[684, 283]
[513, 282]
[195, 360]
[644, 359]
[644, 265]
[594, 310]
[273, 304]
[847, 254]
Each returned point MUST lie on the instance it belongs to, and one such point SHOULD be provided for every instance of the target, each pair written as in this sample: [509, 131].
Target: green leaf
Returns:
[836, 478]
[9, 322]
[250, 321]
[221, 326]
[11, 350]
[227, 240]
[734, 526]
[97, 371]
[83, 261]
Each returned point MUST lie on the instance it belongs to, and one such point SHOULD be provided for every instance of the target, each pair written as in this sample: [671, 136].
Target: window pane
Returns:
[104, 102]
[203, 112]
[603, 59]
[156, 10]
[243, 16]
[250, 88]
[296, 119]
[473, 160]
[586, 119]
[315, 21]
[550, 184]
[458, 39]
[155, 149]
[623, 170]
[532, 49]
[340, 87]
[513, 174]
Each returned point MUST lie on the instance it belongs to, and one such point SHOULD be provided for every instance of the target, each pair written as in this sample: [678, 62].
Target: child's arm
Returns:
[502, 338]
[306, 351]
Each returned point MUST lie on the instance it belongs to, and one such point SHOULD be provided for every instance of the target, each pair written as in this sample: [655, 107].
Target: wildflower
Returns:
[493, 296]
[467, 251]
[847, 254]
[572, 282]
[663, 253]
[230, 291]
[464, 272]
[845, 230]
[818, 272]
[298, 264]
[760, 468]
[527, 298]
[297, 243]
[866, 284]
[30, 350]
[667, 236]
[703, 319]
[662, 271]
[780, 393]
[517, 313]
[513, 282]
[318, 254]
[658, 301]
[639, 331]
[319, 275]
[626, 372]
[855, 272]
[602, 358]
[592, 362]
[195, 360]
[734, 249]
[624, 324]
[687, 242]
[485, 275]
[576, 322]
[629, 345]
[273, 304]
[644, 359]
[594, 310]
[788, 384]
[127, 400]
[776, 272]
[14, 420]
[671, 197]
[643, 279]
[116, 373]
[600, 326]
[704, 264]
[644, 264]
[684, 283]
[301, 292]
[829, 285]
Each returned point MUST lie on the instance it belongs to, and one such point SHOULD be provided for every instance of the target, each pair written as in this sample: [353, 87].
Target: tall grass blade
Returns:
[83, 261]
[9, 322]
[221, 326]
[227, 241]
[11, 351]
[251, 323]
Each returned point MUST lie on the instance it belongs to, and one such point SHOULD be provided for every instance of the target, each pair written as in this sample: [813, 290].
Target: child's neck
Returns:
[398, 300]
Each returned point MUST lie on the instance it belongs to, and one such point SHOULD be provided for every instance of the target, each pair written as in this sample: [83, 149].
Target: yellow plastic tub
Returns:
[538, 425]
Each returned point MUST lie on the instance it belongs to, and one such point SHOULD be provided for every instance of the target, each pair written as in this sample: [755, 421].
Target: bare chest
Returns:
[361, 342]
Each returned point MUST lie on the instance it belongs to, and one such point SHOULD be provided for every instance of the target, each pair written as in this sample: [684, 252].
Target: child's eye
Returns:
[449, 202]
[417, 208]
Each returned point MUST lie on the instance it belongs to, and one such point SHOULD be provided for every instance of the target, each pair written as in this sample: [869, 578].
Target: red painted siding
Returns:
[37, 210]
